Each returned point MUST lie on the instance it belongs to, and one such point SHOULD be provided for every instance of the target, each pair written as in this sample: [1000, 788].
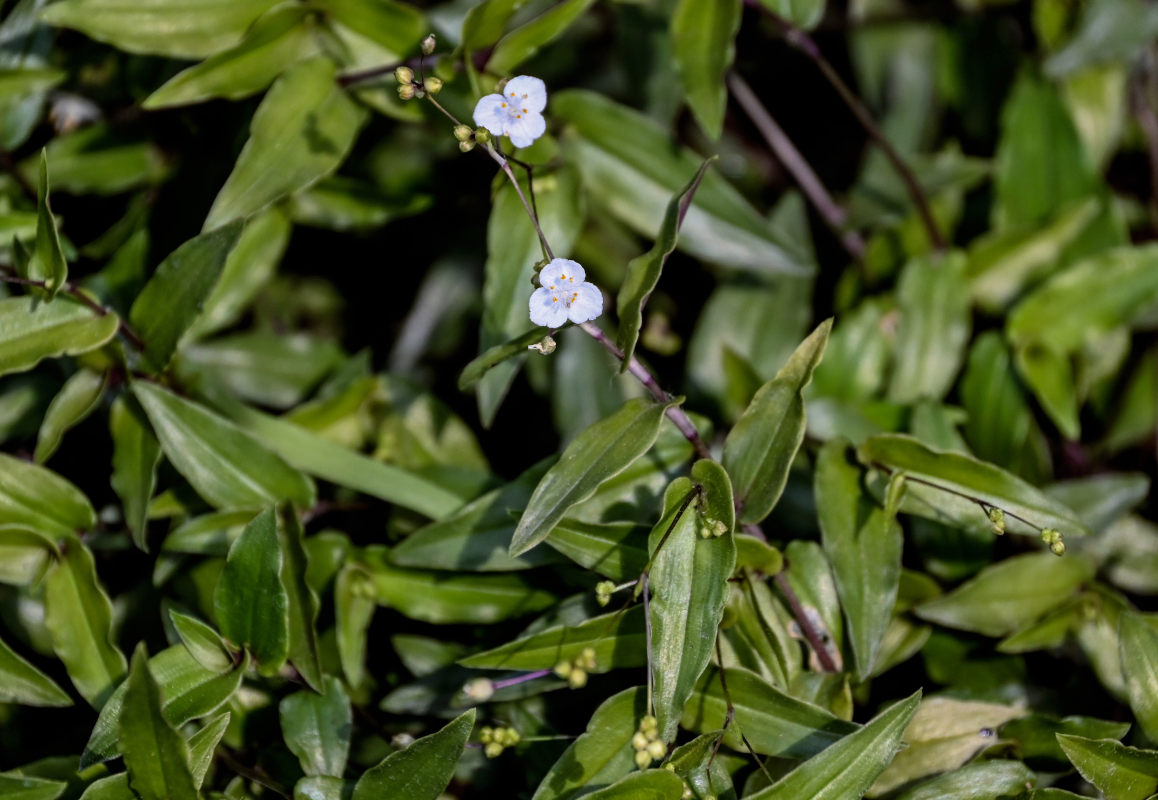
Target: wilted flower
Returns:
[517, 112]
[564, 295]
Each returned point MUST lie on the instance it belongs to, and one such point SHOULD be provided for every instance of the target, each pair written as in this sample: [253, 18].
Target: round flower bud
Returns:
[407, 91]
[642, 759]
[463, 132]
[563, 669]
[486, 734]
[656, 750]
[402, 740]
[428, 44]
[493, 750]
[433, 84]
[482, 135]
[639, 741]
[1058, 547]
[466, 146]
[587, 658]
[649, 722]
[577, 679]
[479, 690]
[404, 75]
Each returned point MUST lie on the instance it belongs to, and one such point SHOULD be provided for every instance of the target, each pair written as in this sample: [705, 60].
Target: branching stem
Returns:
[75, 292]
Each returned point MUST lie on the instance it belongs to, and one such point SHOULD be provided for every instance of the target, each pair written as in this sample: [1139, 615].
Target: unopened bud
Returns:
[428, 44]
[463, 132]
[479, 689]
[466, 146]
[639, 741]
[563, 669]
[402, 740]
[486, 734]
[656, 750]
[407, 91]
[433, 84]
[1050, 535]
[493, 750]
[482, 135]
[642, 759]
[404, 75]
[546, 346]
[1058, 548]
[587, 658]
[649, 723]
[997, 517]
[577, 679]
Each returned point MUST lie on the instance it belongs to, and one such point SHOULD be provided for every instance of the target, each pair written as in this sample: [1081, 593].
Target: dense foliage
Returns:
[831, 477]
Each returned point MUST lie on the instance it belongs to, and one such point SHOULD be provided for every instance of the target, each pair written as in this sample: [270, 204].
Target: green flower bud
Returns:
[493, 750]
[428, 44]
[642, 759]
[546, 346]
[649, 723]
[486, 735]
[404, 75]
[639, 741]
[463, 132]
[482, 135]
[479, 690]
[577, 679]
[563, 669]
[433, 84]
[587, 658]
[1058, 547]
[997, 517]
[466, 146]
[407, 91]
[656, 750]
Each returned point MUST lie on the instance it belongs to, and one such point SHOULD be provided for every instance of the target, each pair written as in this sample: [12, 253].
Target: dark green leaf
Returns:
[652, 784]
[602, 451]
[47, 262]
[20, 682]
[156, 757]
[202, 745]
[303, 601]
[354, 604]
[760, 448]
[20, 788]
[1036, 734]
[422, 770]
[76, 400]
[251, 601]
[31, 330]
[643, 271]
[1106, 33]
[173, 297]
[1049, 374]
[618, 641]
[1120, 772]
[40, 500]
[136, 453]
[615, 550]
[317, 728]
[524, 42]
[1138, 645]
[393, 25]
[703, 33]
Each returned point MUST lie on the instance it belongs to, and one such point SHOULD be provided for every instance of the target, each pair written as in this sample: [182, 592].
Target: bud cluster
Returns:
[495, 740]
[997, 517]
[1053, 538]
[710, 528]
[575, 670]
[603, 592]
[648, 747]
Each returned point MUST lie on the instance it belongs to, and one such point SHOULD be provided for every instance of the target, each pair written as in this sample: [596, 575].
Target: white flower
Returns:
[565, 295]
[517, 112]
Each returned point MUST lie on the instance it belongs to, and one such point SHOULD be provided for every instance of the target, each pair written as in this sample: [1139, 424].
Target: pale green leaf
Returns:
[32, 330]
[22, 683]
[317, 728]
[422, 770]
[1119, 772]
[77, 398]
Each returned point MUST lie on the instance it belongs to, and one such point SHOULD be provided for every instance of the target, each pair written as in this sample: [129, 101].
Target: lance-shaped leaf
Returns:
[997, 778]
[697, 764]
[174, 296]
[849, 767]
[190, 29]
[251, 602]
[1138, 645]
[602, 451]
[1009, 595]
[40, 500]
[1120, 772]
[691, 562]
[227, 466]
[615, 550]
[394, 25]
[317, 728]
[354, 605]
[136, 453]
[643, 271]
[760, 449]
[617, 639]
[652, 784]
[188, 690]
[47, 263]
[301, 132]
[473, 372]
[202, 641]
[22, 683]
[76, 400]
[79, 616]
[602, 754]
[156, 757]
[525, 41]
[32, 330]
[703, 34]
[24, 555]
[18, 787]
[959, 475]
[775, 723]
[863, 543]
[422, 770]
[303, 601]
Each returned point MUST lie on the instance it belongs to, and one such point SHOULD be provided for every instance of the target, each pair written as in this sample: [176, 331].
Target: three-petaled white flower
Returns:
[517, 112]
[565, 295]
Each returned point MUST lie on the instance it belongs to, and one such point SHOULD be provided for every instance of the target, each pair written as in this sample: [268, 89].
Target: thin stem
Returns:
[797, 166]
[256, 774]
[515, 681]
[506, 168]
[817, 641]
[75, 292]
[805, 44]
[730, 717]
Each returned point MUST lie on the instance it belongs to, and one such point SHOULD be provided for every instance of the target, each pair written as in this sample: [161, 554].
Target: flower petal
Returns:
[547, 309]
[526, 92]
[588, 303]
[561, 273]
[489, 113]
[525, 128]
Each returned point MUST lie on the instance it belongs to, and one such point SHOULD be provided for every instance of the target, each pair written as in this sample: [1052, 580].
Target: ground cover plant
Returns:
[547, 399]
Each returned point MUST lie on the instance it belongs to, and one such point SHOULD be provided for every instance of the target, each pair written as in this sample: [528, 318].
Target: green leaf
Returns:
[422, 770]
[393, 25]
[41, 500]
[775, 723]
[602, 451]
[652, 784]
[98, 159]
[979, 781]
[202, 745]
[703, 34]
[301, 132]
[697, 764]
[957, 472]
[190, 29]
[1106, 33]
[1049, 374]
[689, 587]
[512, 251]
[354, 605]
[1138, 645]
[602, 754]
[933, 300]
[79, 617]
[473, 372]
[525, 41]
[760, 448]
[441, 597]
[802, 13]
[188, 690]
[863, 544]
[1119, 772]
[1010, 594]
[78, 398]
[32, 330]
[156, 757]
[48, 263]
[303, 601]
[618, 641]
[849, 767]
[24, 555]
[251, 602]
[226, 465]
[173, 297]
[136, 453]
[643, 271]
[483, 24]
[273, 44]
[202, 642]
[615, 550]
[317, 728]
[1036, 735]
[630, 167]
[21, 788]
[22, 683]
